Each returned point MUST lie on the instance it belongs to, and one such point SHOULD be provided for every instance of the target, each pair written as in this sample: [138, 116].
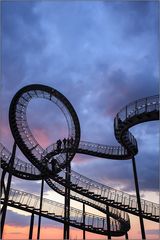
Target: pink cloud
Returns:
[56, 232]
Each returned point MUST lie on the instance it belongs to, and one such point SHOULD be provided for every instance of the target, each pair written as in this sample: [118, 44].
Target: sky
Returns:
[101, 55]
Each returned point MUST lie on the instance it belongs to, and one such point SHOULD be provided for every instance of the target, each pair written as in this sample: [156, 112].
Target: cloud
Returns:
[13, 219]
[26, 185]
[101, 56]
[152, 232]
[97, 75]
[137, 14]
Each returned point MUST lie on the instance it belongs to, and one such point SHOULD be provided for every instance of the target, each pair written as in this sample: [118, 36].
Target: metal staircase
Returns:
[55, 211]
[82, 189]
[85, 187]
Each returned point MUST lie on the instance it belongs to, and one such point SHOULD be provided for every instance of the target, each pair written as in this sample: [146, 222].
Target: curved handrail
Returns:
[122, 217]
[93, 223]
[84, 186]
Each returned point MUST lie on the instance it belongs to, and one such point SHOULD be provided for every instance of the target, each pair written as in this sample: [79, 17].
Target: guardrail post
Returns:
[138, 198]
[67, 200]
[40, 209]
[84, 232]
[7, 189]
[108, 222]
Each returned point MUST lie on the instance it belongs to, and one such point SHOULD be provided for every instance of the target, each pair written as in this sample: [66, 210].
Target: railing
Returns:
[88, 185]
[92, 148]
[135, 108]
[109, 193]
[19, 165]
[25, 167]
[117, 214]
[147, 104]
[100, 148]
[144, 105]
[50, 207]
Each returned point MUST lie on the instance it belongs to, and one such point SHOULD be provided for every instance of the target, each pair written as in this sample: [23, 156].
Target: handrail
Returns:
[91, 185]
[56, 208]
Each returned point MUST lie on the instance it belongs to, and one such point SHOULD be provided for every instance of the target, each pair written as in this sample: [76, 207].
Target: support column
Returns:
[3, 189]
[84, 216]
[138, 198]
[108, 222]
[67, 200]
[126, 235]
[40, 209]
[7, 189]
[31, 227]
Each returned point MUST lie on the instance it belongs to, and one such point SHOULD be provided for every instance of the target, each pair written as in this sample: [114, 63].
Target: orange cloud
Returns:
[56, 232]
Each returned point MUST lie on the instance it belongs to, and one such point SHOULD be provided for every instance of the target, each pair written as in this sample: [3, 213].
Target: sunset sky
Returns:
[101, 55]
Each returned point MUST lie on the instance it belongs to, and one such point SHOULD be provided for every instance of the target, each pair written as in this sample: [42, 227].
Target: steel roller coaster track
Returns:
[116, 204]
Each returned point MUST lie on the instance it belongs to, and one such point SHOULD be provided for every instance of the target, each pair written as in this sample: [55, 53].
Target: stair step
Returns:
[106, 199]
[103, 198]
[59, 178]
[91, 193]
[131, 208]
[109, 200]
[74, 221]
[118, 203]
[97, 195]
[63, 181]
[84, 191]
[125, 206]
[148, 214]
[17, 203]
[73, 186]
[101, 229]
[30, 207]
[51, 213]
[58, 216]
[89, 226]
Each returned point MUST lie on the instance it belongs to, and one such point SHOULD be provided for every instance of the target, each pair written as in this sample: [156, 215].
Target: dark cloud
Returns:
[17, 220]
[137, 15]
[119, 174]
[18, 24]
[152, 232]
[20, 220]
[27, 186]
[33, 187]
[123, 89]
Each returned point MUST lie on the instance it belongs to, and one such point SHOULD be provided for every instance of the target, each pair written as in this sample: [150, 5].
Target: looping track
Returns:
[82, 189]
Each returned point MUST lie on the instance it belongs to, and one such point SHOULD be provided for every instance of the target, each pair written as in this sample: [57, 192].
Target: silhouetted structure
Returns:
[115, 204]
